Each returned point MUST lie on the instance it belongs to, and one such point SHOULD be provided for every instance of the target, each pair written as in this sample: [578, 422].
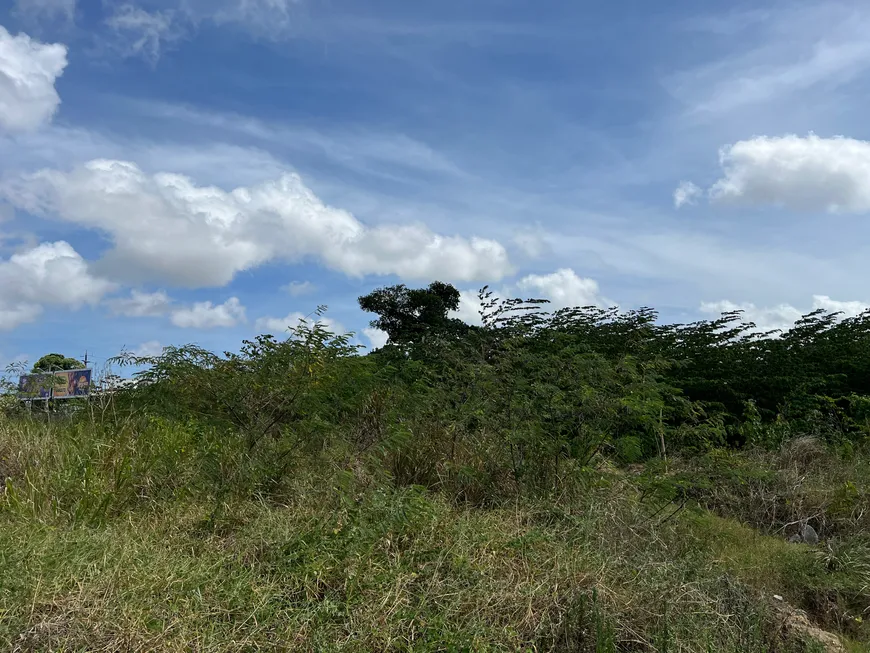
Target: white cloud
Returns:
[141, 304]
[848, 309]
[28, 71]
[783, 316]
[779, 55]
[298, 288]
[166, 226]
[376, 337]
[200, 315]
[212, 162]
[142, 33]
[532, 241]
[801, 173]
[564, 289]
[686, 193]
[469, 308]
[148, 349]
[280, 325]
[384, 154]
[765, 319]
[269, 18]
[830, 62]
[205, 315]
[14, 315]
[48, 9]
[49, 274]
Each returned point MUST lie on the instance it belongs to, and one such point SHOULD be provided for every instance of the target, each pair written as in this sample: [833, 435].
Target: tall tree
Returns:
[54, 362]
[406, 314]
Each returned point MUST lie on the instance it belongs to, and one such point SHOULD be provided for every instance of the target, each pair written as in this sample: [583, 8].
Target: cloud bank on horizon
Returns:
[175, 171]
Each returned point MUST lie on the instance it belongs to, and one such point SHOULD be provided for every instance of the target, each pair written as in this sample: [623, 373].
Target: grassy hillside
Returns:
[584, 481]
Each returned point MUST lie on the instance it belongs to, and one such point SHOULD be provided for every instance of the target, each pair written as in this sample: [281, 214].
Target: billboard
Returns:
[65, 384]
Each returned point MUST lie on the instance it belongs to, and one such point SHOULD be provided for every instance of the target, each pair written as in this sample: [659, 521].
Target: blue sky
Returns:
[177, 171]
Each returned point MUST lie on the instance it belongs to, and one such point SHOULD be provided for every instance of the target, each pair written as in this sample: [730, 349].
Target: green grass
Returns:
[371, 579]
[160, 537]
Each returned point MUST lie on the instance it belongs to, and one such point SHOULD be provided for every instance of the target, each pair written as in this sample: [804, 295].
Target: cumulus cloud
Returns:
[165, 226]
[800, 173]
[141, 304]
[686, 193]
[280, 325]
[199, 315]
[205, 315]
[150, 348]
[469, 308]
[142, 33]
[28, 71]
[51, 273]
[48, 274]
[783, 316]
[848, 309]
[298, 288]
[376, 337]
[564, 288]
[765, 319]
[13, 316]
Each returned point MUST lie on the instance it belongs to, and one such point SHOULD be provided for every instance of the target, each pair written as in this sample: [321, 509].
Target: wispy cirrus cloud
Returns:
[37, 10]
[788, 52]
[142, 33]
[388, 154]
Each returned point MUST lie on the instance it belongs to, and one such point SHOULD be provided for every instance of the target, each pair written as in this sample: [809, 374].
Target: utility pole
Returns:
[86, 358]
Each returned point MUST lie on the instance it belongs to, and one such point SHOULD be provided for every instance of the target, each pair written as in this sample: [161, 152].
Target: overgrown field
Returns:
[579, 481]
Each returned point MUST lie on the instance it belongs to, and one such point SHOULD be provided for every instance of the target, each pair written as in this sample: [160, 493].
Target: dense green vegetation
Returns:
[577, 480]
[55, 362]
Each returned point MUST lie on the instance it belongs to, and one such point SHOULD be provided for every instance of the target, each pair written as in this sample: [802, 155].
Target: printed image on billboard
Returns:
[65, 384]
[78, 383]
[35, 386]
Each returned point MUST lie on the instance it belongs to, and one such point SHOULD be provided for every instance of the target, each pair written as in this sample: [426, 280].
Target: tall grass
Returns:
[157, 535]
[539, 486]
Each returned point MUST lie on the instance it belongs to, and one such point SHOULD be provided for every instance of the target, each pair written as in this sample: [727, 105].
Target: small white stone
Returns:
[777, 597]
